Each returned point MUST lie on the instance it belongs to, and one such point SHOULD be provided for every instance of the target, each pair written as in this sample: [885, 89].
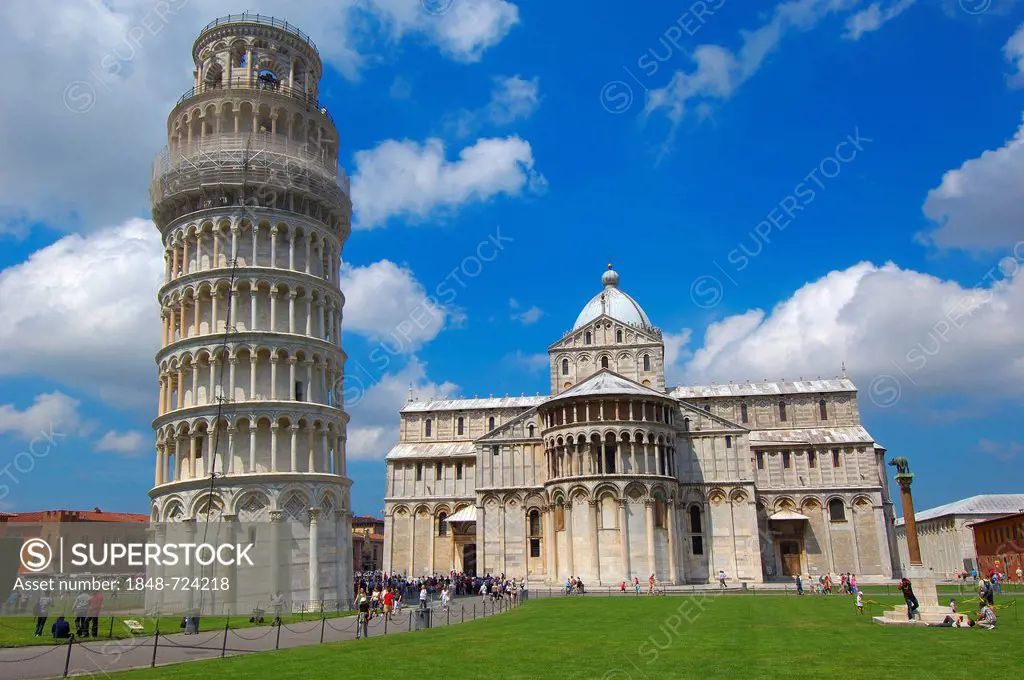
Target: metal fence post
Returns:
[156, 643]
[224, 645]
[463, 613]
[111, 635]
[323, 625]
[67, 660]
[386, 617]
[277, 643]
[474, 611]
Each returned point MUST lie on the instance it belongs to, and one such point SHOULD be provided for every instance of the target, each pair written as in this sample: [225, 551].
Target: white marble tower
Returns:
[253, 212]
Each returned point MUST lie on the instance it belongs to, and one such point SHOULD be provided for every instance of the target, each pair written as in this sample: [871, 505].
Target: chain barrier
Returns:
[300, 632]
[54, 648]
[341, 630]
[234, 631]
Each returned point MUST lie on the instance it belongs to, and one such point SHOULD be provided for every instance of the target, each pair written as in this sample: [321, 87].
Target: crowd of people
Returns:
[825, 584]
[378, 593]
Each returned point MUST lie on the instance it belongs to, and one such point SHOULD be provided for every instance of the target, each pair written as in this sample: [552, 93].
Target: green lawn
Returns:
[18, 631]
[630, 638]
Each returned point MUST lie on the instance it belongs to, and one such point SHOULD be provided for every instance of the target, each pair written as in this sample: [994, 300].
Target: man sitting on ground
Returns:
[61, 629]
[987, 618]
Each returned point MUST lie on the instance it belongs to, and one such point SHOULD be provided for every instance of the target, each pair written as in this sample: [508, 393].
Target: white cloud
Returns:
[719, 71]
[1013, 50]
[130, 444]
[128, 61]
[385, 302]
[374, 405]
[416, 182]
[400, 88]
[50, 415]
[526, 316]
[874, 17]
[512, 98]
[83, 312]
[529, 362]
[675, 352]
[931, 336]
[1002, 451]
[980, 205]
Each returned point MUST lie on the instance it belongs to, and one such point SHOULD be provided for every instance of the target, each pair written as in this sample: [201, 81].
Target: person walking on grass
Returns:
[42, 611]
[95, 605]
[860, 603]
[81, 611]
[277, 603]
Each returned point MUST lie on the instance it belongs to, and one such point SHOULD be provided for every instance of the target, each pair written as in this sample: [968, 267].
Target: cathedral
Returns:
[615, 474]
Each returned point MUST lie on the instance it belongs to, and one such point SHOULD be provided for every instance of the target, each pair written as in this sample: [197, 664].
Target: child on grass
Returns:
[860, 602]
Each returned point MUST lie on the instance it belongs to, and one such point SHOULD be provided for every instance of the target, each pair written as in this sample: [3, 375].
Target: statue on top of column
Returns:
[901, 464]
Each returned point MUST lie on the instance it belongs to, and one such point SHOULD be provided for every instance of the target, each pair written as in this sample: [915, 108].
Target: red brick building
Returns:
[367, 543]
[51, 525]
[1000, 545]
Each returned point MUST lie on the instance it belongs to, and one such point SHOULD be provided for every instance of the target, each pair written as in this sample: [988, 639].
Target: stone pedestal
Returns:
[922, 579]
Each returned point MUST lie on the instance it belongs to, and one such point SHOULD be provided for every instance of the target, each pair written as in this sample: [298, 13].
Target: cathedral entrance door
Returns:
[790, 557]
[469, 558]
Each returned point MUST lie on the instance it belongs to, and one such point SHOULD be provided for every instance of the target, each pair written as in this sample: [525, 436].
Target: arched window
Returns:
[743, 413]
[604, 362]
[442, 524]
[461, 425]
[695, 526]
[531, 429]
[587, 338]
[836, 510]
[534, 533]
[822, 411]
[428, 426]
[490, 423]
[728, 441]
[618, 335]
[647, 362]
[782, 411]
[565, 367]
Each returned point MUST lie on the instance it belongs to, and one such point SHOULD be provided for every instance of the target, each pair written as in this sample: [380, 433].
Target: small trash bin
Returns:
[421, 618]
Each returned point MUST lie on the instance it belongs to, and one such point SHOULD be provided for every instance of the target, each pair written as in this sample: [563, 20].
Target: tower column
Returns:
[649, 511]
[624, 535]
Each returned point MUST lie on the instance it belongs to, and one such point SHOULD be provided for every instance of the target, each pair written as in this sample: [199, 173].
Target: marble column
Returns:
[649, 511]
[314, 558]
[276, 524]
[568, 539]
[670, 525]
[624, 535]
[595, 550]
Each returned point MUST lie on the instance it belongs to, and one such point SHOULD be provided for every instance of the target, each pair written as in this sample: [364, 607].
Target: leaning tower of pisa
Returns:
[253, 212]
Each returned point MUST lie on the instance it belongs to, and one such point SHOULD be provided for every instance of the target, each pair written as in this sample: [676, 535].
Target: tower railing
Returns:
[261, 20]
[239, 160]
[254, 83]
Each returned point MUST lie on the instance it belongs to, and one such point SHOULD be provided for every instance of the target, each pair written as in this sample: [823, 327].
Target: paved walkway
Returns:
[89, 658]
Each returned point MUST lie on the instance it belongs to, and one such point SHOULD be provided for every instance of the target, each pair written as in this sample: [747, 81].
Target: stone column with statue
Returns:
[922, 578]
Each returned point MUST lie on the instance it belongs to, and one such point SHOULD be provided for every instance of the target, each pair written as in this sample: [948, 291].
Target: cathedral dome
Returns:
[614, 303]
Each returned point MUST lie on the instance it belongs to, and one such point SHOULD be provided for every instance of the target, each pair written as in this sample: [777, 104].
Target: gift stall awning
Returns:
[467, 514]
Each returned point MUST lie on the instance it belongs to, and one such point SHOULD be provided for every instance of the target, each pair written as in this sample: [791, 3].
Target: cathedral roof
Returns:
[811, 436]
[988, 504]
[604, 382]
[764, 388]
[614, 303]
[432, 450]
[472, 404]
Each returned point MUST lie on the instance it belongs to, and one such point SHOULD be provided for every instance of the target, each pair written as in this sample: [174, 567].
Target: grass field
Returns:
[18, 631]
[629, 638]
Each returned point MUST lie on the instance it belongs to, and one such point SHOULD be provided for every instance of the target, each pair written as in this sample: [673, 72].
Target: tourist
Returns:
[860, 603]
[95, 604]
[61, 629]
[444, 598]
[996, 588]
[423, 595]
[277, 603]
[987, 618]
[363, 620]
[952, 606]
[650, 585]
[853, 583]
[908, 595]
[799, 585]
[579, 586]
[987, 592]
[42, 611]
[81, 611]
[636, 584]
[1019, 575]
[389, 602]
[721, 579]
[622, 588]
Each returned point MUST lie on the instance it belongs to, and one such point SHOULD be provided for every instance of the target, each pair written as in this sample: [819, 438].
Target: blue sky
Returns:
[574, 134]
